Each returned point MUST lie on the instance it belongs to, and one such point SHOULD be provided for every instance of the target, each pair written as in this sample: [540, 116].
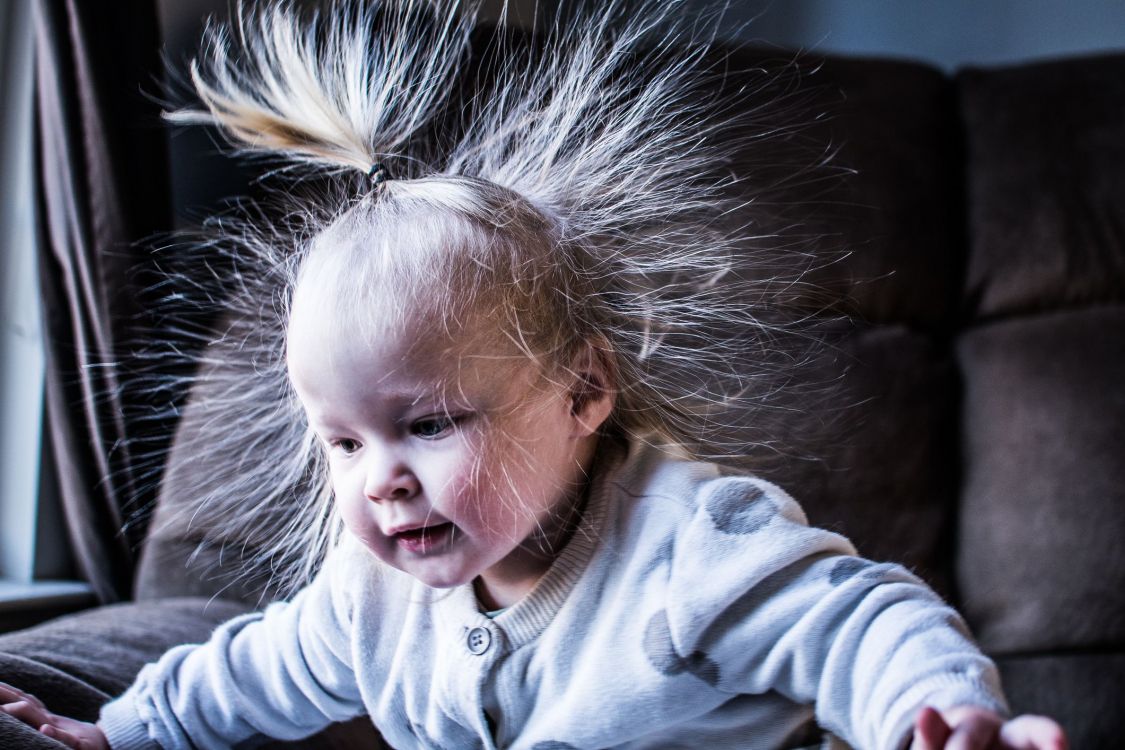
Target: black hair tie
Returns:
[378, 174]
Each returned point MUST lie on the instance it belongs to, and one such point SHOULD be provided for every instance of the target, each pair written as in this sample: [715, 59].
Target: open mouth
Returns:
[425, 539]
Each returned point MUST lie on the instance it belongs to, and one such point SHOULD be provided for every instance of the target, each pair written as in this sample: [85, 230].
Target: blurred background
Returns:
[948, 34]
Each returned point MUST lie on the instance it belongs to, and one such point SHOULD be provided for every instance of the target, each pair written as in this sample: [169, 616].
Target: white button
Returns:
[479, 640]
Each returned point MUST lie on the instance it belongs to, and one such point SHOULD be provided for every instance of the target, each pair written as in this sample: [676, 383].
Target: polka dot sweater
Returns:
[692, 608]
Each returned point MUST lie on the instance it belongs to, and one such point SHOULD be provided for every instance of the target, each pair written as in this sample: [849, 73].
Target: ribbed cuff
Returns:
[122, 725]
[942, 693]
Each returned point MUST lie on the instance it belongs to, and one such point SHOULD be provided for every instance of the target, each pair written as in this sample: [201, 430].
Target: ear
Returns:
[593, 393]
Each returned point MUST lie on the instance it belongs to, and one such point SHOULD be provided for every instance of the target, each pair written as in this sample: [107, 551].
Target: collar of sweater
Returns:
[525, 620]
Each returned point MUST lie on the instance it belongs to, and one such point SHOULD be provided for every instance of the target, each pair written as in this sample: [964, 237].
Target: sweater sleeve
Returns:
[285, 673]
[759, 601]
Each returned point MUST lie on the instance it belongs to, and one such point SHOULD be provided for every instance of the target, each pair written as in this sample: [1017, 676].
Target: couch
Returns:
[972, 303]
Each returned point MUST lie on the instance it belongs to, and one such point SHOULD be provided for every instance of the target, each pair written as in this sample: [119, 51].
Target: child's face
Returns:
[478, 478]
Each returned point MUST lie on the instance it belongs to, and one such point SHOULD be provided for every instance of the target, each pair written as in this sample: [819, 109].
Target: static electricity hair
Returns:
[576, 186]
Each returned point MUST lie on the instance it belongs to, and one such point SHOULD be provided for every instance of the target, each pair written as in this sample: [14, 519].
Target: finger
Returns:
[1033, 733]
[974, 733]
[930, 730]
[62, 736]
[27, 712]
[12, 694]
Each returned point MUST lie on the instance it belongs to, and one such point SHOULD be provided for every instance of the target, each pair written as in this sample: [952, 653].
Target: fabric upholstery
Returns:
[868, 437]
[76, 663]
[1041, 563]
[1082, 690]
[1045, 180]
[897, 210]
[1043, 360]
[883, 464]
[175, 561]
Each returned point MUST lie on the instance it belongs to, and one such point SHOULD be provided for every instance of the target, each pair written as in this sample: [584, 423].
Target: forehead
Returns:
[340, 360]
[405, 306]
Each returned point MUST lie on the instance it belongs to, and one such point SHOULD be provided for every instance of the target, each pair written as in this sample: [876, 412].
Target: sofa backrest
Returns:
[1042, 356]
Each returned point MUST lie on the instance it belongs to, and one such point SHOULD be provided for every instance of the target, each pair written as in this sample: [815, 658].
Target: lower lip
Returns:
[422, 541]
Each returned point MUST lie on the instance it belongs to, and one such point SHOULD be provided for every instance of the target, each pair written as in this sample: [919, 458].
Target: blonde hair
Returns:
[582, 190]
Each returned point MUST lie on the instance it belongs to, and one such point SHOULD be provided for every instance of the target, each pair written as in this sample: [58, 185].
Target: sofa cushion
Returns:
[867, 183]
[75, 663]
[1041, 565]
[876, 459]
[867, 440]
[1081, 691]
[1046, 184]
[78, 662]
[232, 476]
[898, 213]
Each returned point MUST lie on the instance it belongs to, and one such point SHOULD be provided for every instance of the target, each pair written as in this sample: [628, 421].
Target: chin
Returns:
[442, 579]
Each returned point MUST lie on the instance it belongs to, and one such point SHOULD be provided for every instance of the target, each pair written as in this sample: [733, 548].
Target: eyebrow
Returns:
[403, 399]
[407, 397]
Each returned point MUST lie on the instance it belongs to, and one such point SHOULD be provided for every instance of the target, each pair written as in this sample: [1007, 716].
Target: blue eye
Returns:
[431, 428]
[346, 445]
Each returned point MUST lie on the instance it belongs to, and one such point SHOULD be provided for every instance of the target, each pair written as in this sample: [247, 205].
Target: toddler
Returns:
[507, 357]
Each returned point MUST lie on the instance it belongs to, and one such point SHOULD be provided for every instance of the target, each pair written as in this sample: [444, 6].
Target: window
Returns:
[33, 547]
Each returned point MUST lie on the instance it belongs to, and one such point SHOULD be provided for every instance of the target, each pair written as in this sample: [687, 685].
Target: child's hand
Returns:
[75, 734]
[971, 728]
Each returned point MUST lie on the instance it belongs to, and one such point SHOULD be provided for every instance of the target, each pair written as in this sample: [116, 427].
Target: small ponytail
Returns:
[333, 92]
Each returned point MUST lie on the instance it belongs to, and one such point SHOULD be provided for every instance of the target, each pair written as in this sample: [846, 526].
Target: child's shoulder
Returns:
[699, 537]
[725, 499]
[707, 516]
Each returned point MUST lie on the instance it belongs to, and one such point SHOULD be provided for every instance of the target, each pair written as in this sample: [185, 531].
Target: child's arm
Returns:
[972, 728]
[775, 605]
[78, 735]
[283, 673]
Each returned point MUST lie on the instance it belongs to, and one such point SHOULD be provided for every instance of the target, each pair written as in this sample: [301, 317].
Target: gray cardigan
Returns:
[692, 608]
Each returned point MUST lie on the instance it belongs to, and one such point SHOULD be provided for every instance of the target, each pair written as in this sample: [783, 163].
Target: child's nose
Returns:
[390, 479]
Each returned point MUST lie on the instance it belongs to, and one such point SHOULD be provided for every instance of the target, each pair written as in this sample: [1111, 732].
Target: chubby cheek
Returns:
[354, 507]
[361, 524]
[467, 498]
[506, 497]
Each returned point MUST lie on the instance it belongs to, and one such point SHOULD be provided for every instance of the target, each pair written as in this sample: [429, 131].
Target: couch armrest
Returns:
[78, 662]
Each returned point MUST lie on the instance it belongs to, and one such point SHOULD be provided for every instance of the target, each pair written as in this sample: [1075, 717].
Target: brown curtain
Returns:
[103, 187]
